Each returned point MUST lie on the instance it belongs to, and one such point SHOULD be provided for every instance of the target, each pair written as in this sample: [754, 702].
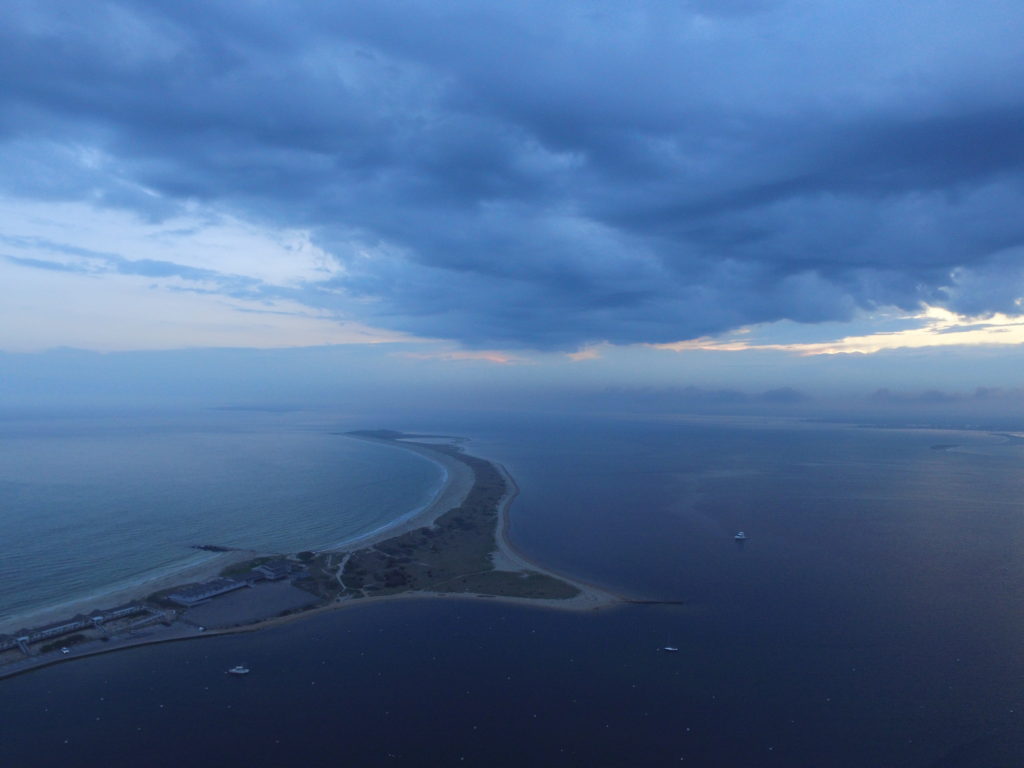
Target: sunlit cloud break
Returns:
[592, 352]
[939, 328]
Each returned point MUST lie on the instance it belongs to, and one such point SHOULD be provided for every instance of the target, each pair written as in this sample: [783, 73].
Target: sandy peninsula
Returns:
[457, 545]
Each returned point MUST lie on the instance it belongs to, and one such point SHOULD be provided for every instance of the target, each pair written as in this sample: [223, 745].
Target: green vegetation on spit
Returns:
[452, 555]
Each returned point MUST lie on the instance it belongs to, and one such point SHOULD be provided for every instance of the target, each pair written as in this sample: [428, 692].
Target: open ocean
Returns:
[874, 618]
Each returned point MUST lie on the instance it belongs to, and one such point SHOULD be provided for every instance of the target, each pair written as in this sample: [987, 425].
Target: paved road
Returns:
[149, 635]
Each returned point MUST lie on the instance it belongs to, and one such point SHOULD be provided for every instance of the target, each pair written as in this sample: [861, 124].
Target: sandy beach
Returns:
[457, 484]
[201, 571]
[507, 558]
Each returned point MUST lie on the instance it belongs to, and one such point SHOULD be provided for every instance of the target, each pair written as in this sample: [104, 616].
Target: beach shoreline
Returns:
[461, 479]
[201, 571]
[454, 486]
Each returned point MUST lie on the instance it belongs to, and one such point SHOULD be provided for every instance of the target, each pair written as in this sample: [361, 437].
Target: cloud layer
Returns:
[518, 175]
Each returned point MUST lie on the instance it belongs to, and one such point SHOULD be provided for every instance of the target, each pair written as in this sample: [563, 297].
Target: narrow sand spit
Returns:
[459, 481]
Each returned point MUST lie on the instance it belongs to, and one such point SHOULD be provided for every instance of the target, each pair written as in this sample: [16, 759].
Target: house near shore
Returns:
[98, 617]
[50, 630]
[198, 593]
[274, 570]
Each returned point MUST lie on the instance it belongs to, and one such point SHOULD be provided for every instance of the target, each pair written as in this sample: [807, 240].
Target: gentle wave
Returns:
[89, 515]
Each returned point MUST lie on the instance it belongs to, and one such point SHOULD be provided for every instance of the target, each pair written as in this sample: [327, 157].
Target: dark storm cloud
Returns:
[552, 175]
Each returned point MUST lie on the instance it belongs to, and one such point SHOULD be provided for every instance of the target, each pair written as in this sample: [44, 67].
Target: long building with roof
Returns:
[189, 596]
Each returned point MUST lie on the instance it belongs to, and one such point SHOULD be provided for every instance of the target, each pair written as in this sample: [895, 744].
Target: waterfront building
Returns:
[276, 569]
[116, 613]
[188, 596]
[55, 630]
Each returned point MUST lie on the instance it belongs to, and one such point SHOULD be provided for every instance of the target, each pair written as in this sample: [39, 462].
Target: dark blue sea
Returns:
[874, 618]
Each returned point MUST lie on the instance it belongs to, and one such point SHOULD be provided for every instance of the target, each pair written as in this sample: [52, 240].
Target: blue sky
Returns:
[741, 194]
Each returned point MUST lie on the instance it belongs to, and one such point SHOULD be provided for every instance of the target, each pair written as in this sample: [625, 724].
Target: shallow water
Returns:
[88, 504]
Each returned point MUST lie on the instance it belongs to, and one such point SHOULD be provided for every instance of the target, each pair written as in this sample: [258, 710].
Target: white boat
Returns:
[740, 536]
[239, 669]
[670, 649]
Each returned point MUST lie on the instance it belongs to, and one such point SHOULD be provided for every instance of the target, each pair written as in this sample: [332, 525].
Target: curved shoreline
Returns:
[210, 566]
[461, 480]
[456, 486]
[591, 596]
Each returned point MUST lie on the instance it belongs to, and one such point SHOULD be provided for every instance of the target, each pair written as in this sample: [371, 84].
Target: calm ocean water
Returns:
[91, 503]
[874, 618]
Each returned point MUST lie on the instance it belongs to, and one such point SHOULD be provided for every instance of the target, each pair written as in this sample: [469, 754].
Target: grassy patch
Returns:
[453, 555]
[507, 584]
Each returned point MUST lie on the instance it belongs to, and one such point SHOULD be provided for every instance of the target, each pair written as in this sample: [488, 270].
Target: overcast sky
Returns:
[520, 183]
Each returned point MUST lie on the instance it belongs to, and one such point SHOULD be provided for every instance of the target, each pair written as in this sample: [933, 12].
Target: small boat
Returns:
[740, 536]
[670, 649]
[239, 669]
